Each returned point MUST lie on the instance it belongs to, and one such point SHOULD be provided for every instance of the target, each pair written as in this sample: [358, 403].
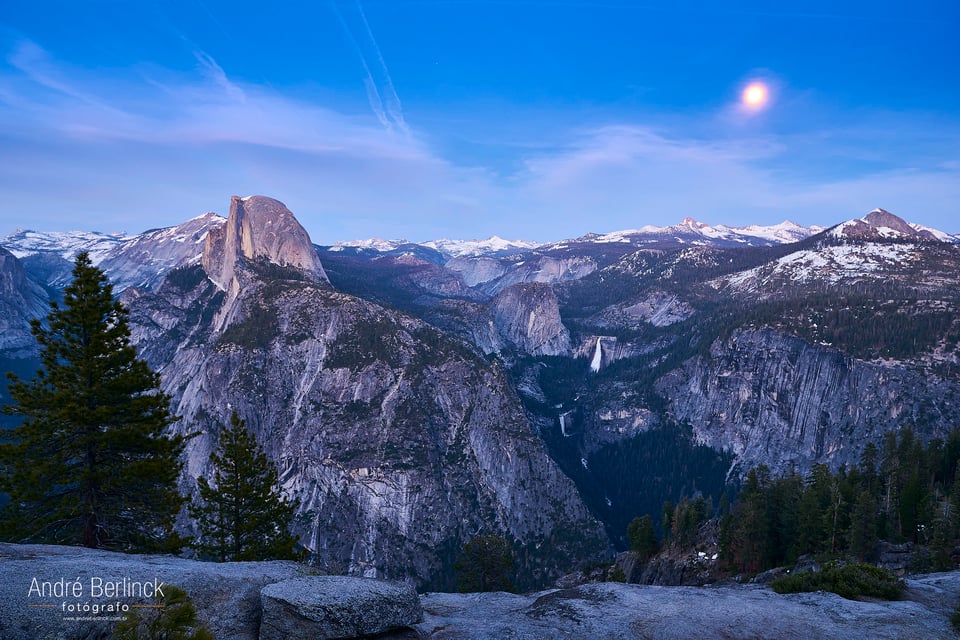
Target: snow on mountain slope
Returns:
[144, 260]
[936, 233]
[492, 245]
[140, 260]
[451, 248]
[66, 244]
[881, 224]
[377, 244]
[690, 231]
[845, 263]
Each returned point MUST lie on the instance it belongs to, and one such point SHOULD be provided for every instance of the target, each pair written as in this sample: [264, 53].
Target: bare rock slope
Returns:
[228, 600]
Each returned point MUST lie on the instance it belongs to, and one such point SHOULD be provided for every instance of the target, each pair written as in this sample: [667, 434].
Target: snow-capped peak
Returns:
[377, 244]
[691, 231]
[493, 244]
[880, 224]
[452, 248]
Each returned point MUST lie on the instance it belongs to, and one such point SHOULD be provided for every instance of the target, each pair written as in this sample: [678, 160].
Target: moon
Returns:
[755, 95]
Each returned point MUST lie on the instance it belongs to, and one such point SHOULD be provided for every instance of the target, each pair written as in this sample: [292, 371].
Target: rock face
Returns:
[527, 318]
[493, 275]
[146, 259]
[658, 309]
[258, 227]
[476, 271]
[400, 443]
[880, 224]
[321, 607]
[21, 300]
[781, 401]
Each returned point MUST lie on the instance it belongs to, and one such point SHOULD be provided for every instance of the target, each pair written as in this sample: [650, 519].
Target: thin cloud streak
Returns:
[215, 73]
[393, 100]
[382, 96]
[184, 145]
[373, 95]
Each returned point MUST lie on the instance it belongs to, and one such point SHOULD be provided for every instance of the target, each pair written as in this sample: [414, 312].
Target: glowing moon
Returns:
[755, 95]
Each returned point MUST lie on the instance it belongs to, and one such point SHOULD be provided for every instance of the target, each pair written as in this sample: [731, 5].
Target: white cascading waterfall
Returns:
[597, 358]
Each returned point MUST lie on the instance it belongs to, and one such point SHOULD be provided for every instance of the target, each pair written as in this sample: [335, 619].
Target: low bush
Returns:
[850, 581]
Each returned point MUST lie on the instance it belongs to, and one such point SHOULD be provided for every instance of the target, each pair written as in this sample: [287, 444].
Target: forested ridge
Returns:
[903, 491]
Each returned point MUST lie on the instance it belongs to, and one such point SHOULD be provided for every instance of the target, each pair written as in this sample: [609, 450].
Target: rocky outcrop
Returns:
[613, 610]
[778, 400]
[474, 271]
[258, 227]
[527, 318]
[658, 308]
[226, 596]
[322, 607]
[145, 259]
[232, 599]
[880, 224]
[546, 269]
[21, 300]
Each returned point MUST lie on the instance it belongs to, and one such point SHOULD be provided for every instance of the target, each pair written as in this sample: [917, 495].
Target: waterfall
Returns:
[563, 426]
[597, 357]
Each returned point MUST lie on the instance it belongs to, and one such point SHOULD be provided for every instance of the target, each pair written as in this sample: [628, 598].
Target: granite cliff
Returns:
[400, 443]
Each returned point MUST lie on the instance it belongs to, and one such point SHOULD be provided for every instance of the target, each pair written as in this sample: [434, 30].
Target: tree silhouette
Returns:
[90, 463]
[242, 515]
[642, 537]
[485, 565]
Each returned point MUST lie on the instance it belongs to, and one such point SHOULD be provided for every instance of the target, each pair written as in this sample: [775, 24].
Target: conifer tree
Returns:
[242, 515]
[863, 526]
[90, 463]
[642, 537]
[485, 565]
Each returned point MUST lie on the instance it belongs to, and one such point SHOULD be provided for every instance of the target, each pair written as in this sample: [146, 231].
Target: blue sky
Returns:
[529, 119]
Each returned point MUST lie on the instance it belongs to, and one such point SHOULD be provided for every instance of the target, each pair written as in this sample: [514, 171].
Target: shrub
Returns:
[850, 581]
[616, 574]
[174, 618]
[486, 564]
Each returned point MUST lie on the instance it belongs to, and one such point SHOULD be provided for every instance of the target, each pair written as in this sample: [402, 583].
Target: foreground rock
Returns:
[228, 600]
[226, 596]
[319, 607]
[75, 602]
[614, 610]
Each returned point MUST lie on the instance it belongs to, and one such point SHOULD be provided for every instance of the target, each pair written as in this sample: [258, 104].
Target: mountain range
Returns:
[414, 395]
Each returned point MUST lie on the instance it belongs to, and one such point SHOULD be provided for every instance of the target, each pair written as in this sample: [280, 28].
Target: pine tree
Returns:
[242, 515]
[642, 537]
[863, 526]
[90, 463]
[173, 618]
[485, 565]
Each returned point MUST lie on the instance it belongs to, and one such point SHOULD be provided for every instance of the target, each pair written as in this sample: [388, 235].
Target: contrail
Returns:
[373, 96]
[394, 107]
[383, 98]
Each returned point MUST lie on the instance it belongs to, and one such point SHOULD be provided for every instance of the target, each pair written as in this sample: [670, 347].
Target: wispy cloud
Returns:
[114, 151]
[635, 174]
[41, 69]
[215, 73]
